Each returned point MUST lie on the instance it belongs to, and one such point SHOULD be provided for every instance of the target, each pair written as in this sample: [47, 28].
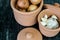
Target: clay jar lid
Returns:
[29, 34]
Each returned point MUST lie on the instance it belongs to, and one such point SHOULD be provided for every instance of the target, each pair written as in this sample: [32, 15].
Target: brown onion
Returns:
[32, 8]
[23, 3]
[35, 1]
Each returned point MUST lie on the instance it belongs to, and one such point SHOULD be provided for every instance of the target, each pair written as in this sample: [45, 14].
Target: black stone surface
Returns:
[9, 28]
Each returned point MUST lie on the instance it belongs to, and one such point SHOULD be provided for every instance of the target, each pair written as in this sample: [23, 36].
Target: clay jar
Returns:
[26, 18]
[29, 34]
[45, 31]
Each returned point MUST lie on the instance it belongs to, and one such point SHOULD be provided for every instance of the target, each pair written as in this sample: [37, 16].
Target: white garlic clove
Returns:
[46, 16]
[56, 26]
[44, 19]
[44, 23]
[53, 16]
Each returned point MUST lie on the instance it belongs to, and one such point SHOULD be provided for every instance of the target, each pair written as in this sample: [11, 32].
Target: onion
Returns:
[35, 1]
[23, 3]
[32, 8]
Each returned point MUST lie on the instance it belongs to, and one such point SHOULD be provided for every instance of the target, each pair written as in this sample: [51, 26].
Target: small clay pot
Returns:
[26, 18]
[45, 31]
[29, 34]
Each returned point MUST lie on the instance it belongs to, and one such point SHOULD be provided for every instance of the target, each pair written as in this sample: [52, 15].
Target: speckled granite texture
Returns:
[9, 28]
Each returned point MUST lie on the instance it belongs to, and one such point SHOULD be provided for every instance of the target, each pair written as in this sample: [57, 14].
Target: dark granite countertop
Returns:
[9, 28]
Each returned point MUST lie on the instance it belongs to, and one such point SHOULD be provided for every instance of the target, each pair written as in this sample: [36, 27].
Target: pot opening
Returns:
[25, 10]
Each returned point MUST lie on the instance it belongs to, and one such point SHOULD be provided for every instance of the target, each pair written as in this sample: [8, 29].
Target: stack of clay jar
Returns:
[28, 12]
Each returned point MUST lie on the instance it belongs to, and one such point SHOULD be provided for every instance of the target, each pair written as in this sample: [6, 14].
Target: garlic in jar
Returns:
[44, 23]
[23, 4]
[44, 19]
[35, 2]
[32, 8]
[53, 16]
[52, 23]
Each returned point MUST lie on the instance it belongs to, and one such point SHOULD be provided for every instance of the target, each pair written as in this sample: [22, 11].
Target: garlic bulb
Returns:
[46, 16]
[32, 8]
[44, 23]
[23, 3]
[35, 2]
[44, 19]
[52, 23]
[53, 16]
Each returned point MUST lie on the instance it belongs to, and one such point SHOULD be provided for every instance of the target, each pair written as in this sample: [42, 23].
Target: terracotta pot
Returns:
[45, 31]
[25, 18]
[29, 34]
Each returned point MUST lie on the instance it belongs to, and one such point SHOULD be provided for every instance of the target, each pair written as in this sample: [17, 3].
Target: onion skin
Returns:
[35, 2]
[23, 4]
[32, 7]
